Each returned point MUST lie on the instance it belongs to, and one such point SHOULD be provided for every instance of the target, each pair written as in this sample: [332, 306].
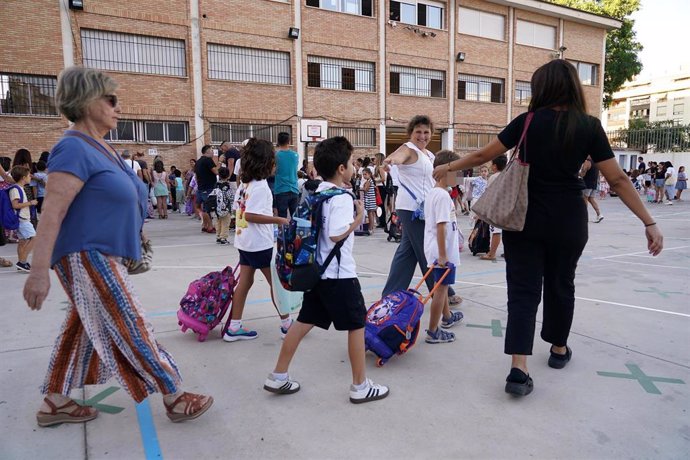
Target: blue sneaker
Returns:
[454, 318]
[439, 336]
[239, 334]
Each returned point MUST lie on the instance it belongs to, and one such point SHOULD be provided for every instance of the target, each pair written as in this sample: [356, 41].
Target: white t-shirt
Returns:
[672, 179]
[438, 208]
[134, 165]
[237, 169]
[24, 213]
[338, 214]
[254, 198]
[417, 177]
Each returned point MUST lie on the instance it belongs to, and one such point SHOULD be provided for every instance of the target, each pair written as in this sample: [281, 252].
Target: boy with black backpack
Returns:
[221, 204]
[337, 297]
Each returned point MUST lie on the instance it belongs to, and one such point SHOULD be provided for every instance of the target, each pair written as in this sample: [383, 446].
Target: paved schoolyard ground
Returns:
[625, 394]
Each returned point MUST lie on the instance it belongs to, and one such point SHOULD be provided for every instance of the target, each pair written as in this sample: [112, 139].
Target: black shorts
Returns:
[258, 259]
[337, 301]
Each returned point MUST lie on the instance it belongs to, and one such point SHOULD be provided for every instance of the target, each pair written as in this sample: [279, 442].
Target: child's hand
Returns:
[34, 202]
[282, 220]
[442, 261]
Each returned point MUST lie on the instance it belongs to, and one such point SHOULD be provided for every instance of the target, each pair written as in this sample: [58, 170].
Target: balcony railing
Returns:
[663, 139]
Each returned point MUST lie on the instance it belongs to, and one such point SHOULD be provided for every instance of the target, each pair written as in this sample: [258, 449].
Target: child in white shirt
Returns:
[442, 248]
[337, 298]
[254, 232]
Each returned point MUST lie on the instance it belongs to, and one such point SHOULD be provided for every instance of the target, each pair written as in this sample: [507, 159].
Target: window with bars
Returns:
[359, 7]
[679, 108]
[533, 34]
[22, 94]
[133, 53]
[523, 92]
[482, 89]
[474, 140]
[358, 137]
[248, 64]
[235, 133]
[159, 132]
[481, 24]
[420, 13]
[417, 82]
[323, 72]
[586, 71]
[660, 110]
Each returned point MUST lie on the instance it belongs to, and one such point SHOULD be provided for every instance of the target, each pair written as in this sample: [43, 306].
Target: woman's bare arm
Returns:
[61, 190]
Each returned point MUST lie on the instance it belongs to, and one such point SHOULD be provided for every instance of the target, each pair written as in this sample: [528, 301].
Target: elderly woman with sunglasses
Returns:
[94, 212]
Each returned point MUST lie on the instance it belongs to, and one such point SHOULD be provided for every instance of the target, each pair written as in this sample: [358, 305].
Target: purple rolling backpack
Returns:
[207, 300]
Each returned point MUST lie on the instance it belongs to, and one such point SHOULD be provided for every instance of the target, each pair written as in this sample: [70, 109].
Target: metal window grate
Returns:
[482, 89]
[160, 132]
[133, 53]
[358, 137]
[235, 133]
[523, 92]
[417, 82]
[474, 140]
[248, 64]
[325, 72]
[27, 94]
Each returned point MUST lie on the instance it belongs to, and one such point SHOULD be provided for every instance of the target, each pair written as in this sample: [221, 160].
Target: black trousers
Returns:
[544, 256]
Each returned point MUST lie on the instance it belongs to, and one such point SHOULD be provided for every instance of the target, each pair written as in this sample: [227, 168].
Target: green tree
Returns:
[622, 46]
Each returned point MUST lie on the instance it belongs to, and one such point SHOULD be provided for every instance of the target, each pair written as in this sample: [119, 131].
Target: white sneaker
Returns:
[371, 392]
[281, 387]
[670, 203]
[599, 218]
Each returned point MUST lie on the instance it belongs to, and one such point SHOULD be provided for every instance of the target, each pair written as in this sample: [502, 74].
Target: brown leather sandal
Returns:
[193, 407]
[67, 413]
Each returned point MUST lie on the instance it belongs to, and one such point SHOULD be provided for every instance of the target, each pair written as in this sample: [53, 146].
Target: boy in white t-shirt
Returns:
[26, 233]
[442, 248]
[337, 298]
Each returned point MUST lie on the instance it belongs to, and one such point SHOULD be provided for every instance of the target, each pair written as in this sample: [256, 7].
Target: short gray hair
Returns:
[78, 87]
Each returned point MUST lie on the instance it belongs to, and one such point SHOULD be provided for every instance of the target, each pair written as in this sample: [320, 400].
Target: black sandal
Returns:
[518, 383]
[558, 361]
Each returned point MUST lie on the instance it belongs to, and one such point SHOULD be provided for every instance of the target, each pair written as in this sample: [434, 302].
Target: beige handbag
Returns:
[135, 267]
[504, 202]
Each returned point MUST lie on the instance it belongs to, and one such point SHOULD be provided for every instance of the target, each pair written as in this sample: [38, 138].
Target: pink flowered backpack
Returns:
[207, 300]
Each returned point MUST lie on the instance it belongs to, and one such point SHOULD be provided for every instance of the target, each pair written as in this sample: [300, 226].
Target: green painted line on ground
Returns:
[646, 381]
[94, 401]
[664, 294]
[496, 328]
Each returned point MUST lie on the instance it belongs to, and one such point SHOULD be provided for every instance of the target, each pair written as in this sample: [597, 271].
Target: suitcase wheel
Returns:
[184, 328]
[201, 338]
[380, 362]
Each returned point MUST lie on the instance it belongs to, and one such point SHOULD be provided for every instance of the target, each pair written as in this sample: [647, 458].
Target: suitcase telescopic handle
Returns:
[423, 299]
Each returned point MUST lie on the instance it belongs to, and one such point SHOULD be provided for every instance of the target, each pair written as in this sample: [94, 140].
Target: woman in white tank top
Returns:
[415, 165]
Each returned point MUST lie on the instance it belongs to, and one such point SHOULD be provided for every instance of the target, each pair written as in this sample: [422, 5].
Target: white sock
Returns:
[278, 376]
[285, 323]
[361, 386]
[235, 325]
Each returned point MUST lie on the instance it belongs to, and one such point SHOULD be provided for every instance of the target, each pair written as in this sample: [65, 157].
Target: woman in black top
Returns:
[545, 253]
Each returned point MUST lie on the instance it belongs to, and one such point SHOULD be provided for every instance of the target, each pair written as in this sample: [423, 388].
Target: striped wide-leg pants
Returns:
[105, 333]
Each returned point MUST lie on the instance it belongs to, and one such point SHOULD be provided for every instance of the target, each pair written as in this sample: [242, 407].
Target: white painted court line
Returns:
[587, 299]
[634, 253]
[646, 265]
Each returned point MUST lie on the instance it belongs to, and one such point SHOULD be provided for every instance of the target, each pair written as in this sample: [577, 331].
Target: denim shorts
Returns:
[26, 230]
[448, 280]
[202, 195]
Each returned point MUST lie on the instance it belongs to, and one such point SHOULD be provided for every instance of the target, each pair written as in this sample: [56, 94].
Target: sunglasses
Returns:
[112, 100]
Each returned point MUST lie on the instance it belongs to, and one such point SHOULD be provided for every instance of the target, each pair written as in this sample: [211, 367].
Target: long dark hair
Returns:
[22, 157]
[557, 84]
[257, 160]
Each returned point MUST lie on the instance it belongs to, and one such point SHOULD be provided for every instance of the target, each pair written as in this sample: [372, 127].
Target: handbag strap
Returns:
[98, 146]
[523, 139]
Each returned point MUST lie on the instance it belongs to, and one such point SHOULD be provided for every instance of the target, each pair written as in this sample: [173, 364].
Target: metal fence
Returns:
[662, 139]
[27, 94]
